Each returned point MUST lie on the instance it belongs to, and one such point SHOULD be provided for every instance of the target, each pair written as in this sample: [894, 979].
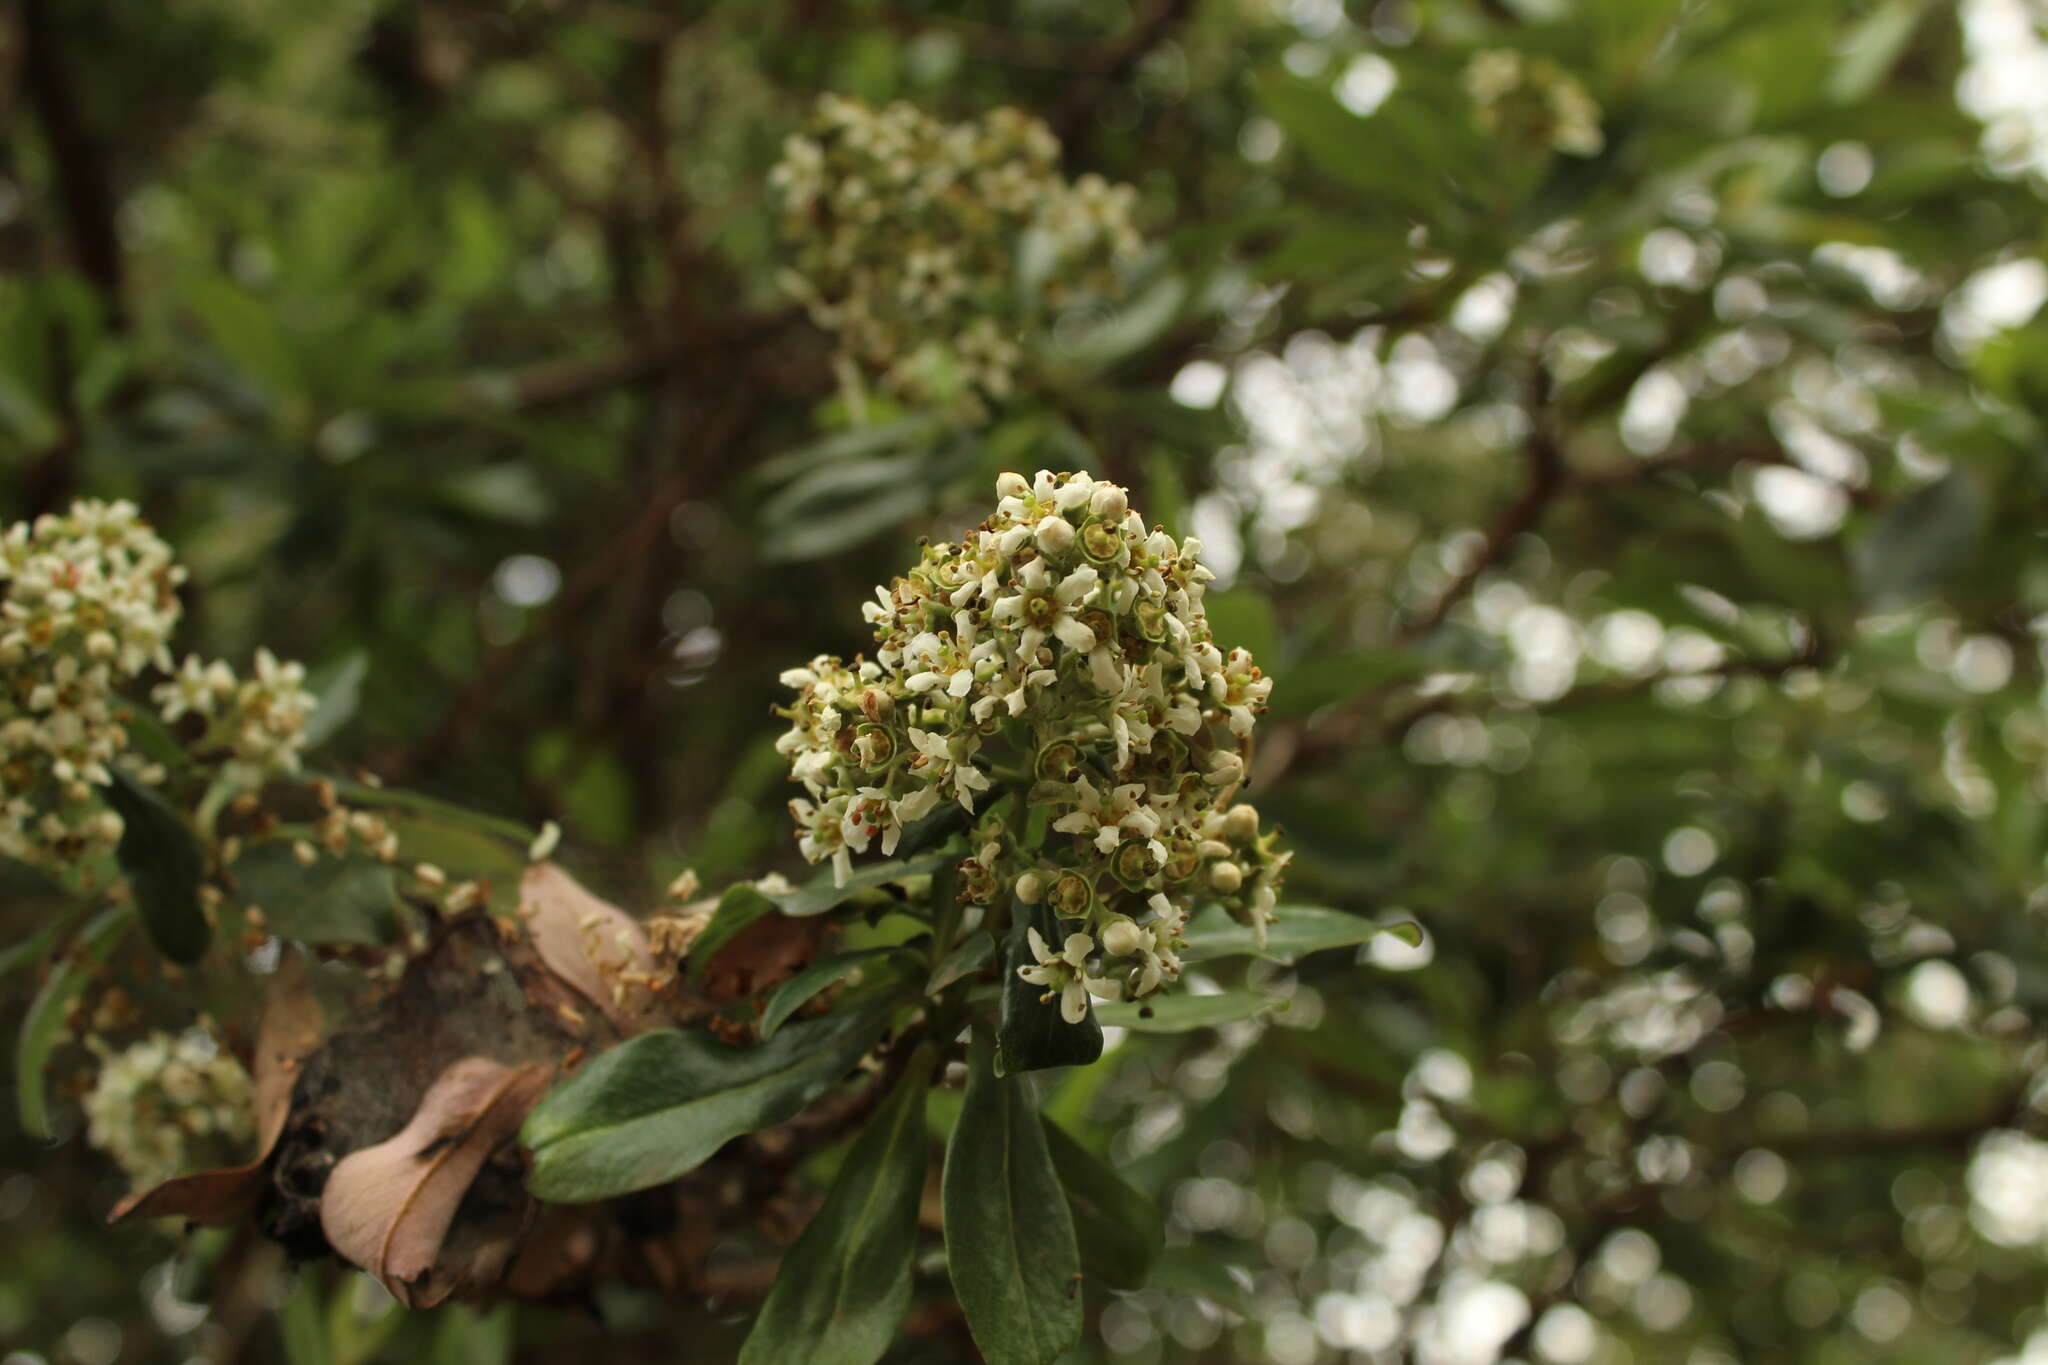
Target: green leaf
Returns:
[1033, 1033]
[651, 1109]
[164, 867]
[818, 895]
[18, 955]
[1119, 1231]
[1872, 48]
[1183, 1013]
[340, 692]
[1299, 931]
[45, 1017]
[301, 1323]
[738, 908]
[846, 1283]
[1919, 542]
[1196, 1270]
[969, 955]
[840, 506]
[509, 493]
[351, 899]
[1010, 1244]
[468, 1336]
[791, 995]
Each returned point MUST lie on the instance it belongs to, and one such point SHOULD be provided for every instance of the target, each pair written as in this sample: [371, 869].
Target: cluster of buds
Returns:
[906, 232]
[1055, 666]
[90, 602]
[1533, 100]
[167, 1105]
[91, 599]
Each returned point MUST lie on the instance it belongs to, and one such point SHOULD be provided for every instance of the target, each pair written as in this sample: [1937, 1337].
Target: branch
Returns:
[1547, 479]
[76, 157]
[482, 698]
[1114, 60]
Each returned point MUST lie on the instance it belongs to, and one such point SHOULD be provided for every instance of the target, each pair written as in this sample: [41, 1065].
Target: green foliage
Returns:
[1010, 1245]
[1118, 1231]
[164, 865]
[844, 1285]
[1644, 542]
[651, 1109]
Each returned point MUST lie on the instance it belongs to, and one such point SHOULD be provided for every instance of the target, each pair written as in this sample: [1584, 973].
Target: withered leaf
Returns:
[388, 1208]
[592, 945]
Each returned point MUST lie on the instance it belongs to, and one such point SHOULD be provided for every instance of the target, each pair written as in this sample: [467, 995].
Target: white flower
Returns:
[1065, 973]
[166, 1105]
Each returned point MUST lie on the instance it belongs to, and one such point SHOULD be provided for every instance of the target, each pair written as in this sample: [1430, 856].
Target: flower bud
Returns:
[1055, 536]
[1226, 877]
[1122, 937]
[1030, 888]
[1011, 485]
[1242, 823]
[1108, 502]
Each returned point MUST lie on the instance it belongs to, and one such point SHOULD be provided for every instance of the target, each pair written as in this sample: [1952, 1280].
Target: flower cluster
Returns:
[167, 1105]
[1533, 99]
[906, 231]
[260, 720]
[90, 601]
[1059, 656]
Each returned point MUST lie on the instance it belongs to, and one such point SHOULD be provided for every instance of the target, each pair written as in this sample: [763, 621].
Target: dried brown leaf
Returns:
[594, 946]
[388, 1208]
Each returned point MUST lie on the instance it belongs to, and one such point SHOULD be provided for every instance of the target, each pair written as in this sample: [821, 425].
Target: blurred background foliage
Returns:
[1647, 545]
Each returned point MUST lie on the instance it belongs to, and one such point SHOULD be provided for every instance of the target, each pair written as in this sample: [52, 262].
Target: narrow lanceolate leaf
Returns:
[1185, 1013]
[1298, 931]
[738, 908]
[45, 1017]
[1119, 1230]
[1033, 1034]
[1009, 1236]
[819, 894]
[164, 866]
[845, 1284]
[340, 690]
[651, 1109]
[792, 994]
[969, 956]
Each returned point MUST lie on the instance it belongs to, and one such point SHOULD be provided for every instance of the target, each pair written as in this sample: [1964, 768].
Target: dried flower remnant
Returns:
[1060, 653]
[907, 233]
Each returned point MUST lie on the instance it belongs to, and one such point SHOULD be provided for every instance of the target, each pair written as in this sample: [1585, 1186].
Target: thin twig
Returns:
[481, 699]
[1547, 479]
